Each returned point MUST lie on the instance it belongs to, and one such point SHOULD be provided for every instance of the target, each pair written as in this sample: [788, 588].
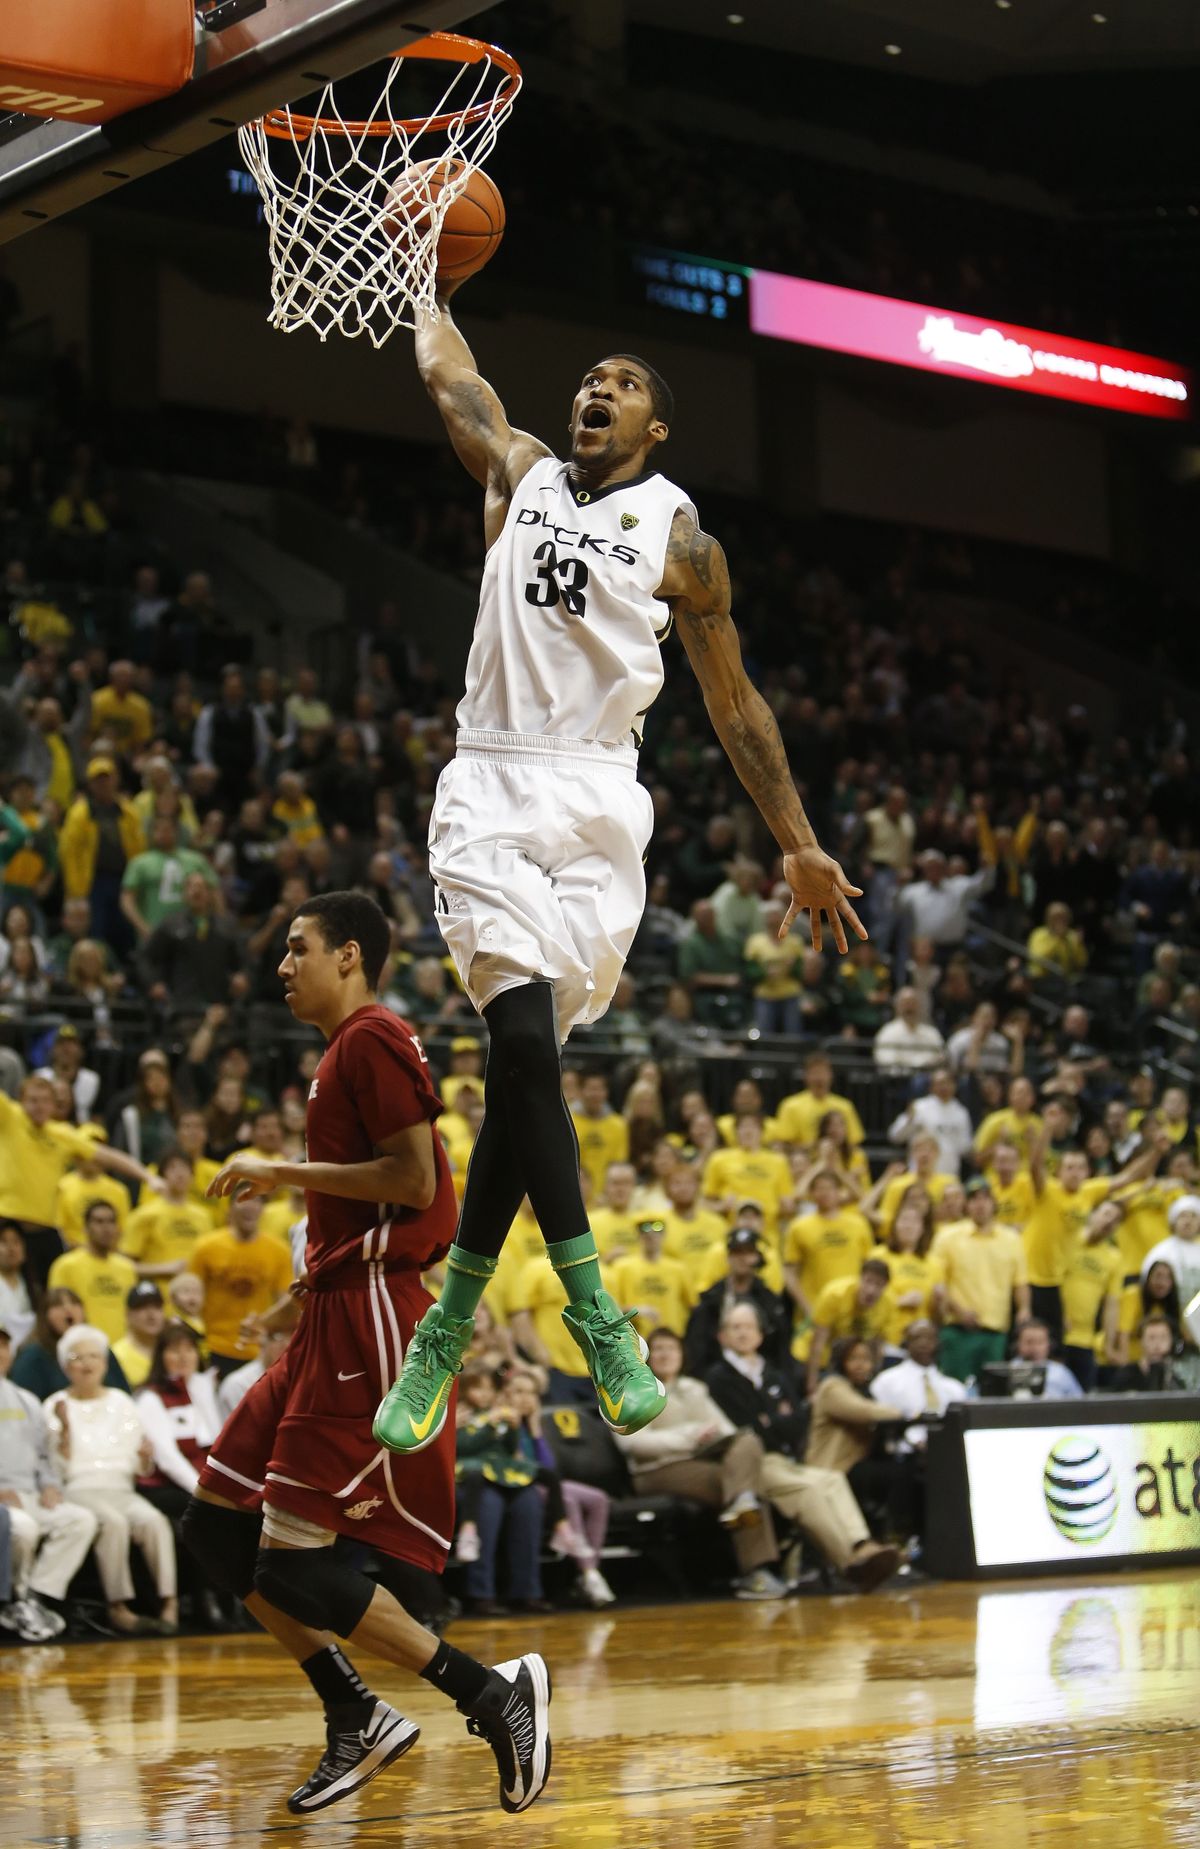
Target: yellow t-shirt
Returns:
[33, 1162]
[1008, 1126]
[459, 1138]
[101, 1284]
[279, 1216]
[1145, 1223]
[602, 1140]
[691, 1241]
[727, 1130]
[160, 1233]
[714, 1265]
[799, 1118]
[300, 819]
[1093, 1273]
[658, 1287]
[74, 1193]
[910, 1273]
[1055, 1225]
[203, 1170]
[616, 1227]
[241, 1277]
[1016, 1201]
[539, 1291]
[759, 1175]
[525, 1242]
[838, 1310]
[825, 1248]
[893, 1195]
[982, 1269]
[135, 1362]
[127, 719]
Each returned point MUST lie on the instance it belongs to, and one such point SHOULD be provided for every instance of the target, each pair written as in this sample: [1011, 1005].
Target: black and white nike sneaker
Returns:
[353, 1755]
[513, 1716]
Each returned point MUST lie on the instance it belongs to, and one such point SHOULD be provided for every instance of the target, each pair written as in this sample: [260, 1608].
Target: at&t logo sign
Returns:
[1081, 1490]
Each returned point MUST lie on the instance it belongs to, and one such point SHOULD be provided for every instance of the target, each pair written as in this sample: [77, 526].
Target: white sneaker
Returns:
[48, 1615]
[596, 1587]
[27, 1618]
[743, 1512]
[568, 1543]
[466, 1549]
[761, 1584]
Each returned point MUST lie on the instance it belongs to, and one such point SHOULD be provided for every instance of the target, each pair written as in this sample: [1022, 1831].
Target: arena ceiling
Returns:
[956, 41]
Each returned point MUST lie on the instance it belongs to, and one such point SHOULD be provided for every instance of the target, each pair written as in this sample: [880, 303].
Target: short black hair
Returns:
[662, 398]
[96, 1207]
[350, 917]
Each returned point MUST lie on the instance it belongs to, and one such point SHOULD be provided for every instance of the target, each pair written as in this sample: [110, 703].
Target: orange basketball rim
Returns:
[440, 47]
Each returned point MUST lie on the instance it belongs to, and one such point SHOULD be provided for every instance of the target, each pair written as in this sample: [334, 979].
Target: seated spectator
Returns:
[492, 1347]
[578, 1512]
[185, 1302]
[17, 1312]
[100, 1448]
[234, 1388]
[97, 1273]
[1055, 948]
[916, 1386]
[693, 1450]
[864, 991]
[1033, 1345]
[941, 1115]
[844, 1432]
[737, 901]
[759, 1399]
[24, 984]
[854, 1306]
[49, 1537]
[979, 1047]
[144, 1319]
[907, 1043]
[1154, 1371]
[741, 1283]
[497, 1494]
[659, 1286]
[712, 969]
[177, 1405]
[817, 1000]
[984, 1277]
[36, 1364]
[294, 810]
[243, 1271]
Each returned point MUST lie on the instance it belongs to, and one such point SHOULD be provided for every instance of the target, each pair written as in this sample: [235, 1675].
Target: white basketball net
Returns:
[328, 184]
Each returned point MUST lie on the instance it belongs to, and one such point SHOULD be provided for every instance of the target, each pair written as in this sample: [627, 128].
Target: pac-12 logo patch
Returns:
[629, 521]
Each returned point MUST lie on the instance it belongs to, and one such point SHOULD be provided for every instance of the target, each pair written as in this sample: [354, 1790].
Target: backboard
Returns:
[251, 56]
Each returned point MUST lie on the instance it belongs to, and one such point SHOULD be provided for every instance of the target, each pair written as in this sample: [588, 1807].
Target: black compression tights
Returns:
[526, 1142]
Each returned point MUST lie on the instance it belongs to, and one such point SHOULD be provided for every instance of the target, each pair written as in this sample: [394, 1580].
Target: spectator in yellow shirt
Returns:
[162, 1231]
[822, 1247]
[614, 1221]
[799, 1116]
[1063, 1205]
[295, 811]
[1018, 1123]
[749, 1171]
[100, 1276]
[603, 1133]
[657, 1287]
[243, 1272]
[1091, 1295]
[281, 1214]
[539, 1331]
[923, 1154]
[747, 1099]
[525, 1242]
[1011, 1184]
[915, 1273]
[144, 1319]
[88, 1182]
[1055, 947]
[694, 1232]
[266, 1144]
[984, 1284]
[855, 1306]
[466, 1068]
[120, 712]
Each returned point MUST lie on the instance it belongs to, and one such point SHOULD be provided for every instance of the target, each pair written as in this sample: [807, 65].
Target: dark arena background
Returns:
[910, 1561]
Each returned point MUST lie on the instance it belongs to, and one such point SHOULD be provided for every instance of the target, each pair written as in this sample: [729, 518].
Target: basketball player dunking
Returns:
[295, 1464]
[539, 825]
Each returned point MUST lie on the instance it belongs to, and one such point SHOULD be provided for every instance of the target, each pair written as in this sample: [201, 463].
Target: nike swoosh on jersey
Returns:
[422, 1430]
[358, 1376]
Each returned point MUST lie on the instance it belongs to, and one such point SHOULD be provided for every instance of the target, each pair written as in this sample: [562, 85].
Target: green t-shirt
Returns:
[156, 880]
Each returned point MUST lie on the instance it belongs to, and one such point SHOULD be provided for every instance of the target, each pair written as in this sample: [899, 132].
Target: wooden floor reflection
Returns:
[1067, 1714]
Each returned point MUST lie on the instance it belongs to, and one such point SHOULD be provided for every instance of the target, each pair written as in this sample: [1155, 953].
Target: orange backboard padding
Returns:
[90, 60]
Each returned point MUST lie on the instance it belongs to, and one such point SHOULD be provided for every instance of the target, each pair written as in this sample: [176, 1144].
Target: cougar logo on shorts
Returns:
[629, 521]
[361, 1510]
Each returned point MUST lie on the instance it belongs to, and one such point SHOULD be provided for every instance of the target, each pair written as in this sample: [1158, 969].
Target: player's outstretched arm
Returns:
[484, 441]
[696, 587]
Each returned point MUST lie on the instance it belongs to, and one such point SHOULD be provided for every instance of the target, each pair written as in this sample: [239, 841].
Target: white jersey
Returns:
[567, 640]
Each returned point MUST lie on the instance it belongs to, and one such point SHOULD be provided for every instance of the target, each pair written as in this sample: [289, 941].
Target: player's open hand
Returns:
[820, 888]
[244, 1174]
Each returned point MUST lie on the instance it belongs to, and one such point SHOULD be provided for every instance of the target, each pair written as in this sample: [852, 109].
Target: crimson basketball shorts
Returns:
[536, 850]
[301, 1438]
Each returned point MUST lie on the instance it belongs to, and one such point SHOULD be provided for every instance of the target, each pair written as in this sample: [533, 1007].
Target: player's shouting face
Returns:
[614, 416]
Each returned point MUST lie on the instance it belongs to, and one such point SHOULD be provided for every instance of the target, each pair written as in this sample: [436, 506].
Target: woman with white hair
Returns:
[101, 1448]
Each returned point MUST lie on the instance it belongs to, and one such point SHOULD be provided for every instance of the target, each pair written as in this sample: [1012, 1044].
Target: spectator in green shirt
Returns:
[152, 888]
[713, 968]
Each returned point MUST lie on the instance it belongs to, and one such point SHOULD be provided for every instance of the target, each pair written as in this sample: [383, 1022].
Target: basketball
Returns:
[474, 223]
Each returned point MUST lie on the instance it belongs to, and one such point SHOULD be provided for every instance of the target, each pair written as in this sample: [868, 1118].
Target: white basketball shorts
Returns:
[535, 848]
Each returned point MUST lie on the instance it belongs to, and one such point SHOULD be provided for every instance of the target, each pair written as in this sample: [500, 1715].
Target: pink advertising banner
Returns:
[992, 352]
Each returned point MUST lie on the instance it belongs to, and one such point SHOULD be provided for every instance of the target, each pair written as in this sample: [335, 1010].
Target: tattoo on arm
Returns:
[469, 402]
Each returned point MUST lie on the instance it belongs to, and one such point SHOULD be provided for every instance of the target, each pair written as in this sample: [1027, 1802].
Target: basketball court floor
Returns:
[1003, 1717]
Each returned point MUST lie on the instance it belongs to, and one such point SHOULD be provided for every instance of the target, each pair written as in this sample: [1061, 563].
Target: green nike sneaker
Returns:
[413, 1411]
[630, 1394]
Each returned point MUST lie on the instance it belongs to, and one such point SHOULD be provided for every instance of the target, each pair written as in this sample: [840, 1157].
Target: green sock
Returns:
[577, 1263]
[468, 1275]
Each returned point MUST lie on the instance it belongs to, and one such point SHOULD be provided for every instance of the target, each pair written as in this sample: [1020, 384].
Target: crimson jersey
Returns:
[373, 1080]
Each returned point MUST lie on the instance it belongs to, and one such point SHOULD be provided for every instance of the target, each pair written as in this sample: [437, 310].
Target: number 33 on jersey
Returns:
[569, 629]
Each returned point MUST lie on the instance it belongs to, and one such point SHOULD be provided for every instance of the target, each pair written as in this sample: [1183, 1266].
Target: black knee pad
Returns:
[314, 1588]
[224, 1544]
[523, 1027]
